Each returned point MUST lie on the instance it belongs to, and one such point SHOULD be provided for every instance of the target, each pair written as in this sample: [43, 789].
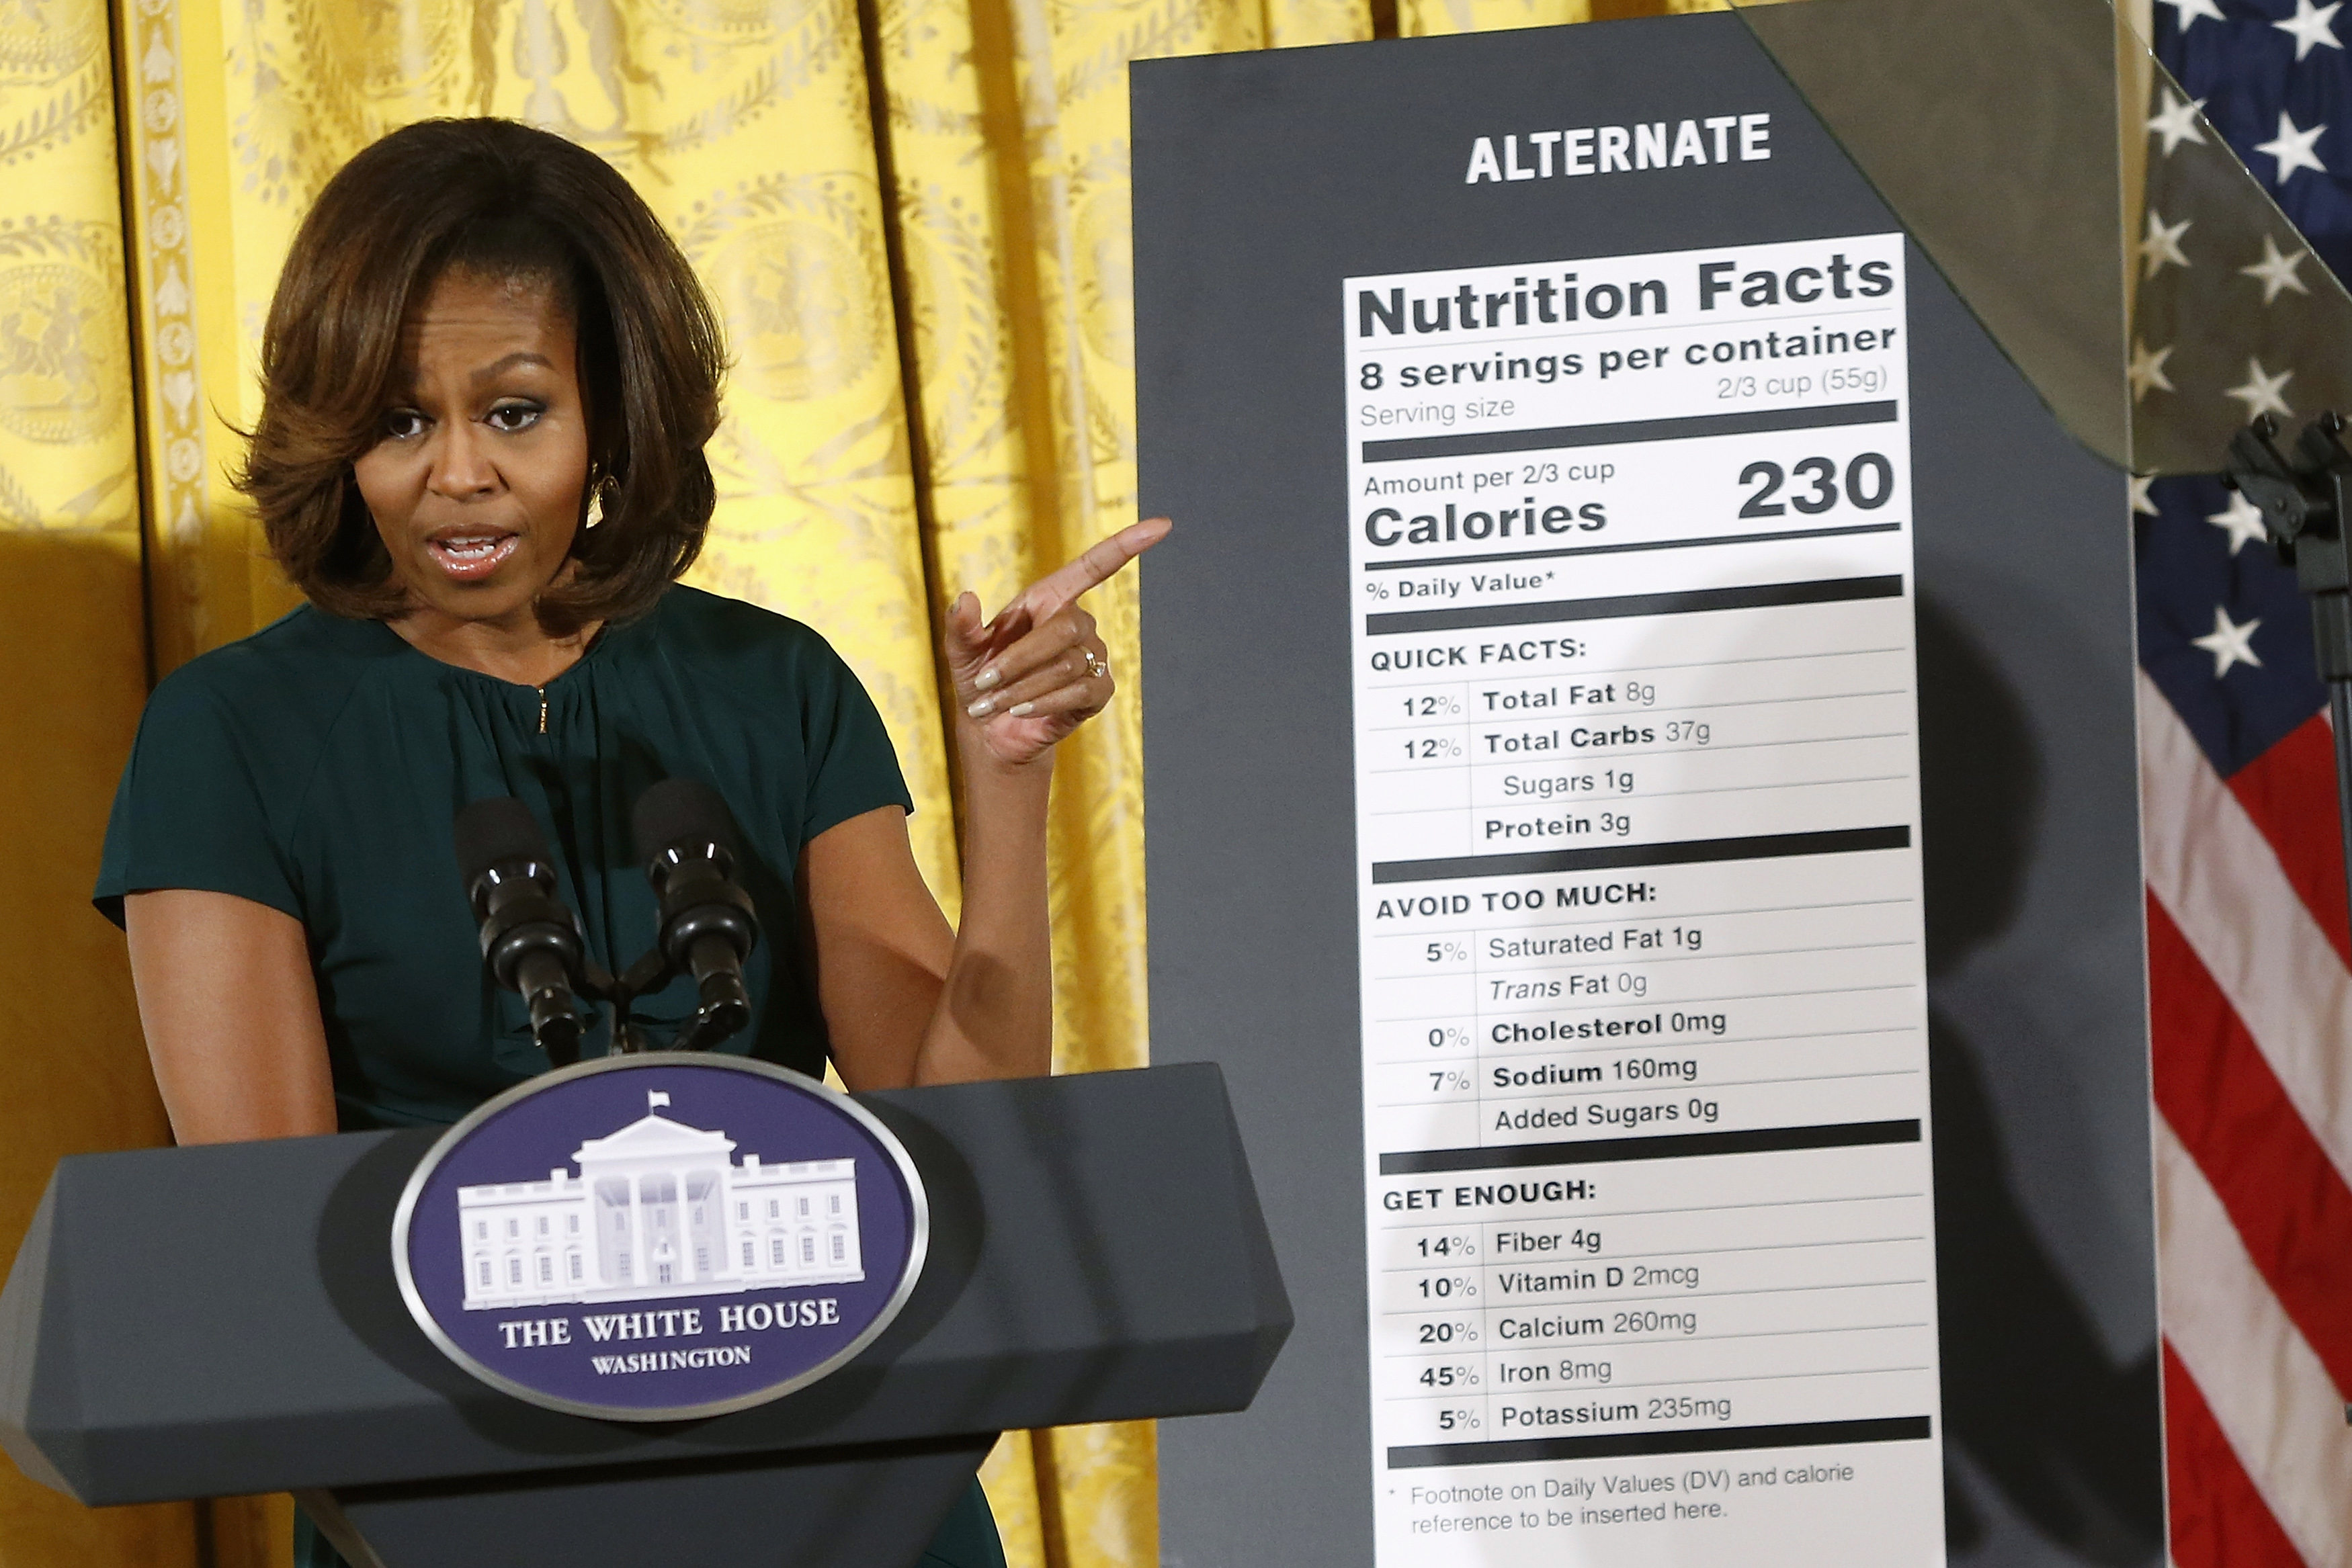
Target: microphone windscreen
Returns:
[678, 810]
[498, 829]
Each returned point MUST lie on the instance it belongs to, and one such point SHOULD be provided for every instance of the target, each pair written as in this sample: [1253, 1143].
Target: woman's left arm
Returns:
[908, 999]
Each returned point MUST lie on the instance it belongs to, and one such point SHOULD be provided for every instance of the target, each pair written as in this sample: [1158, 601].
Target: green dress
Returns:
[317, 767]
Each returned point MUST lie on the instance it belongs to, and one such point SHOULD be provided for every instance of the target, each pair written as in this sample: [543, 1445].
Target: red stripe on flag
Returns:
[2290, 1206]
[2290, 792]
[2218, 1519]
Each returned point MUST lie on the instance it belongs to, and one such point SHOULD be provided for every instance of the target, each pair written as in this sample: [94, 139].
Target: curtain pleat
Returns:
[916, 217]
[1426, 18]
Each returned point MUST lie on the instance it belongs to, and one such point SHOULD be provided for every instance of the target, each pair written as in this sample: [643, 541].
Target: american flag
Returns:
[2250, 958]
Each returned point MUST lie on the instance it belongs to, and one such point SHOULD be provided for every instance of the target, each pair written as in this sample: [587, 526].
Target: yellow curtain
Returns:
[915, 216]
[73, 673]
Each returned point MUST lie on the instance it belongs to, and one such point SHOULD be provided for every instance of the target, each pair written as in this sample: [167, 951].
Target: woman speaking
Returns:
[487, 378]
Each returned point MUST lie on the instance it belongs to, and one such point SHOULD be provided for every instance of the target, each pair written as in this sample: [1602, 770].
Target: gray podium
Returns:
[214, 1322]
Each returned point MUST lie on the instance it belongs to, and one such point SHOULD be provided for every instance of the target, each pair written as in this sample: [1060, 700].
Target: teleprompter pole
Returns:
[2304, 499]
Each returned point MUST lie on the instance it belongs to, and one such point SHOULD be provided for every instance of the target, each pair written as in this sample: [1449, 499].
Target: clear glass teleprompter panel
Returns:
[2091, 220]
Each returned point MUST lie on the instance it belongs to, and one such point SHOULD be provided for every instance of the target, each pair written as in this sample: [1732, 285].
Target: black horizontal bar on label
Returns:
[1687, 601]
[1476, 442]
[1623, 857]
[1840, 531]
[1655, 1146]
[1690, 1440]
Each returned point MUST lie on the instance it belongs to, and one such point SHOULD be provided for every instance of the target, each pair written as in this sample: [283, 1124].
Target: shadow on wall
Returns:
[73, 1069]
[2071, 1439]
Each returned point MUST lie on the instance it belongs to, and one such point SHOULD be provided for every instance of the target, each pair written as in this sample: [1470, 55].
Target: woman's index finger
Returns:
[1097, 566]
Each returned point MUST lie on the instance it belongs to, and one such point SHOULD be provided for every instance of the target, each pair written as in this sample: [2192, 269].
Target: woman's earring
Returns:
[596, 504]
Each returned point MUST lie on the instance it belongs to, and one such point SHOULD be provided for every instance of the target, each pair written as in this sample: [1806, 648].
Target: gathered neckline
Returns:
[595, 646]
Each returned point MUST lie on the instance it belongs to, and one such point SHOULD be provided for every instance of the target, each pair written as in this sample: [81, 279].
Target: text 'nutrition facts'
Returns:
[1644, 1009]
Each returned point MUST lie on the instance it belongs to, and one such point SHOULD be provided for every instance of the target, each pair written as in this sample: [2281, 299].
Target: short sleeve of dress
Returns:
[852, 767]
[193, 810]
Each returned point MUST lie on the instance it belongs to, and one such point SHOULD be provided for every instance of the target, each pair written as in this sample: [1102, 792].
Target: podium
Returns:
[221, 1321]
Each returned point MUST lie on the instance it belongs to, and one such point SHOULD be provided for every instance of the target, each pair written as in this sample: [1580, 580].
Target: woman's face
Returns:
[476, 480]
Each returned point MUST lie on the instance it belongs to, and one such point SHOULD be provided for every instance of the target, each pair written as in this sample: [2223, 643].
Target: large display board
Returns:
[1537, 694]
[1643, 977]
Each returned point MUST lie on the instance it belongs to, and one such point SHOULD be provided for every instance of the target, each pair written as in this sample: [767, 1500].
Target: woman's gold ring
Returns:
[1096, 667]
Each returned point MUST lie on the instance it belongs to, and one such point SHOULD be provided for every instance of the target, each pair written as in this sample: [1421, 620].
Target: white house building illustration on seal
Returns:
[657, 1209]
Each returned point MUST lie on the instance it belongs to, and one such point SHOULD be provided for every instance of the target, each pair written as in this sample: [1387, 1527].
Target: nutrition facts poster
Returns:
[1648, 1198]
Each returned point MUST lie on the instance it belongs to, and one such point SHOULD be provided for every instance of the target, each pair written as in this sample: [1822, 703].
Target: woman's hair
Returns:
[491, 199]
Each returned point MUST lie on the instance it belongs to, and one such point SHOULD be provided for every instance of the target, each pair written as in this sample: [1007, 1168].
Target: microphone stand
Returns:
[650, 971]
[2306, 500]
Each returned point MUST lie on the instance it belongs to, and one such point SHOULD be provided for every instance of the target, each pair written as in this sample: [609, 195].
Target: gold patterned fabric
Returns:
[73, 673]
[66, 440]
[915, 216]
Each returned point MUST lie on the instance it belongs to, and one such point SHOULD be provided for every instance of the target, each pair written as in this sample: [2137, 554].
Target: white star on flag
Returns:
[2261, 393]
[2189, 10]
[2309, 28]
[2141, 501]
[2178, 121]
[2230, 644]
[2162, 243]
[2242, 521]
[2276, 271]
[2292, 148]
[2146, 370]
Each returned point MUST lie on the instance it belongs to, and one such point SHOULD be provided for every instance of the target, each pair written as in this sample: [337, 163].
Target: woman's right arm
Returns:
[231, 1014]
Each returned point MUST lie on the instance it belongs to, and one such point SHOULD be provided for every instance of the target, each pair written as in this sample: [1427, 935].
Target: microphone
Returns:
[531, 942]
[687, 839]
